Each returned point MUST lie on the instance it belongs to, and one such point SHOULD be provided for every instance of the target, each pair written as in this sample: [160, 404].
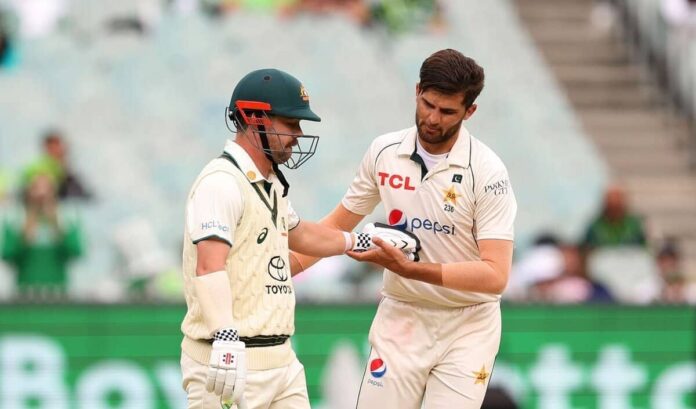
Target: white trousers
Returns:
[278, 388]
[430, 357]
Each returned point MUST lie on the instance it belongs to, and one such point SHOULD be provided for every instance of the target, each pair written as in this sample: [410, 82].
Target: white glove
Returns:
[227, 368]
[405, 241]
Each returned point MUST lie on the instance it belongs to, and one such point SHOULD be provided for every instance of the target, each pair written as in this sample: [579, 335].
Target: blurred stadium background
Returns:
[591, 104]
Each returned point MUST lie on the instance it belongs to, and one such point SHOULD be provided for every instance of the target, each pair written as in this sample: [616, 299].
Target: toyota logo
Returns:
[277, 269]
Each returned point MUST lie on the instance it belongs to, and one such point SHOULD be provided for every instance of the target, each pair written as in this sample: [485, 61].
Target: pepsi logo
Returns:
[378, 368]
[398, 219]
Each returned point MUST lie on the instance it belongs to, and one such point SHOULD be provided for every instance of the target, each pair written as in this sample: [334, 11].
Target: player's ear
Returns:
[417, 88]
[470, 111]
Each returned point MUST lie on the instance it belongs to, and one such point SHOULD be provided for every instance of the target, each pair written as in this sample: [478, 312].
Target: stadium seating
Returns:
[666, 49]
[143, 114]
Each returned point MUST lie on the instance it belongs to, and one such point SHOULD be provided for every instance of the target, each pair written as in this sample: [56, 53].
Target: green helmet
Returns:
[285, 93]
[276, 93]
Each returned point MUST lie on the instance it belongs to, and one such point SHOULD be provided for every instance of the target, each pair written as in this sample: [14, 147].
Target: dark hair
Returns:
[52, 135]
[669, 248]
[547, 239]
[450, 72]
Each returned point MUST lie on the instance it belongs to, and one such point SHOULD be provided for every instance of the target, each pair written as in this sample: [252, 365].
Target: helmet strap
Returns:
[267, 151]
[281, 178]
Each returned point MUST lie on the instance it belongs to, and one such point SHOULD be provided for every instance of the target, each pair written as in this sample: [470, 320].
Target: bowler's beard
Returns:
[438, 137]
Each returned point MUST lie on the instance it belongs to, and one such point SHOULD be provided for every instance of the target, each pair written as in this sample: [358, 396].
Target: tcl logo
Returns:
[395, 181]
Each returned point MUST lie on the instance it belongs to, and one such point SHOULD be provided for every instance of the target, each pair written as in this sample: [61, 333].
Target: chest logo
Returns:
[277, 269]
[395, 181]
[457, 178]
[498, 188]
[398, 219]
[451, 195]
[262, 235]
[450, 199]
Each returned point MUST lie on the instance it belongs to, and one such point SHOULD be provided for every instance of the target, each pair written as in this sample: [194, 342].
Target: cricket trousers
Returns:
[277, 388]
[430, 357]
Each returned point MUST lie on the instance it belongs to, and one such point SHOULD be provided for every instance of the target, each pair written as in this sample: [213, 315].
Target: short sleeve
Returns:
[214, 208]
[496, 206]
[363, 193]
[293, 218]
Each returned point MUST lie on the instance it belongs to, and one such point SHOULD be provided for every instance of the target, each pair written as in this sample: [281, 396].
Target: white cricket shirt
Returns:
[465, 198]
[216, 207]
[230, 200]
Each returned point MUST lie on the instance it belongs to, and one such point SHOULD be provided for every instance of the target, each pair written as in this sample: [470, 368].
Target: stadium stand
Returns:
[143, 112]
[624, 110]
[574, 102]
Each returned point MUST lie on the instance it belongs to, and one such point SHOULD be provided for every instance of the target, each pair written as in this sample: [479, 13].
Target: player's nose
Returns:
[433, 119]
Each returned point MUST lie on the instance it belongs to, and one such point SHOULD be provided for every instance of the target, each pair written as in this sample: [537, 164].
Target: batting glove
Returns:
[405, 241]
[227, 369]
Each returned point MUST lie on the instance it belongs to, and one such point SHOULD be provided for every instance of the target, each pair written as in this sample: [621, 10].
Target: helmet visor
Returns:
[292, 154]
[289, 149]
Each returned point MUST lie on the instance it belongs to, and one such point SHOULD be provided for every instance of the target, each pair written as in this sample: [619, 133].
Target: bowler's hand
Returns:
[385, 255]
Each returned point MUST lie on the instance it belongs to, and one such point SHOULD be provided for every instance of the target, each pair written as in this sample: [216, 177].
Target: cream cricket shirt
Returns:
[464, 198]
[234, 203]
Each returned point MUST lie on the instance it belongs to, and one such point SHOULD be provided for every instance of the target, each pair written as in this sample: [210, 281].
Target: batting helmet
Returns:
[273, 92]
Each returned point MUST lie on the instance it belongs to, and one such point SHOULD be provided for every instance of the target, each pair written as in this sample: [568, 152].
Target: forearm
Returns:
[475, 276]
[319, 241]
[341, 219]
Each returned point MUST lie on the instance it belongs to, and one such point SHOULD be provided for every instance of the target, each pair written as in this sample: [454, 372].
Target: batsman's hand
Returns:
[227, 368]
[405, 241]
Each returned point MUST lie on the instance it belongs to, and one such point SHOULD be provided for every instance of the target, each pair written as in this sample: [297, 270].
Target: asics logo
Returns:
[262, 235]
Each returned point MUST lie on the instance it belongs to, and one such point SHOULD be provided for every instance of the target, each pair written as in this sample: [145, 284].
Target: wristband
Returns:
[227, 334]
[348, 237]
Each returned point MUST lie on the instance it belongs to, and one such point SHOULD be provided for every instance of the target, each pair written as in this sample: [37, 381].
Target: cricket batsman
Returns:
[238, 231]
